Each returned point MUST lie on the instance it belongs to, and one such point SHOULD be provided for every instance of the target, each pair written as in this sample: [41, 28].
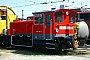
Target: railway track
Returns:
[83, 49]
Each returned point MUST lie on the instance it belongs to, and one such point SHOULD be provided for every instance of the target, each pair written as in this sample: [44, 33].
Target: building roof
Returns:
[9, 9]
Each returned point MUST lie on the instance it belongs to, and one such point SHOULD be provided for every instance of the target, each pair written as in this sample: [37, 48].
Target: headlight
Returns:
[57, 29]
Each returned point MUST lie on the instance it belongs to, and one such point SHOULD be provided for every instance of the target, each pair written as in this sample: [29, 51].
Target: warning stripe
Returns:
[65, 27]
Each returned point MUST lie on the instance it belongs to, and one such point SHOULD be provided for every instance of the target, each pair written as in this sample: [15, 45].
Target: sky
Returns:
[29, 6]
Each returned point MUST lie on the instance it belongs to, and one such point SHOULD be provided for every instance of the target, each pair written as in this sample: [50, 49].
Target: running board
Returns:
[21, 45]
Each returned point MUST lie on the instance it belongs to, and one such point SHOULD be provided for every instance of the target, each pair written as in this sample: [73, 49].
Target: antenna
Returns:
[81, 4]
[22, 14]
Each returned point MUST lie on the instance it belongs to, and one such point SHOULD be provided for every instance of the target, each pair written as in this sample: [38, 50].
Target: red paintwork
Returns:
[17, 20]
[65, 22]
[8, 32]
[21, 27]
[27, 27]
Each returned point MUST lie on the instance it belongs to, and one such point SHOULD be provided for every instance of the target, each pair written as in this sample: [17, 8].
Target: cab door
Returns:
[38, 28]
[48, 26]
[71, 22]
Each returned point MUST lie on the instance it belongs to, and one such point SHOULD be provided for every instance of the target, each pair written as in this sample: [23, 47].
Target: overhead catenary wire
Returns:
[17, 2]
[34, 3]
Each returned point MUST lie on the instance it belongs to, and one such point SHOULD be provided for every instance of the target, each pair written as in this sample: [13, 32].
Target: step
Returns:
[50, 43]
[48, 39]
[49, 48]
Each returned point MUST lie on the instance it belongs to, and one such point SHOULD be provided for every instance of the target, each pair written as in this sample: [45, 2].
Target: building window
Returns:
[39, 18]
[58, 17]
[2, 17]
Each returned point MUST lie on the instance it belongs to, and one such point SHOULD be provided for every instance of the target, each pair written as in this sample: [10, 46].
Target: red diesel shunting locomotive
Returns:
[50, 29]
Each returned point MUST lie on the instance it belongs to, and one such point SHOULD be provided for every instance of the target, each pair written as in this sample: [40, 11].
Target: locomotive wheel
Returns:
[82, 42]
[58, 46]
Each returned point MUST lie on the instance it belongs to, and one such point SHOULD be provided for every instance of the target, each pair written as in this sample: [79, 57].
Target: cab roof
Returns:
[58, 10]
[42, 12]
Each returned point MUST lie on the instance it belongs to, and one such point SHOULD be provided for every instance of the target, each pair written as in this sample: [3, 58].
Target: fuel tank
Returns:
[83, 30]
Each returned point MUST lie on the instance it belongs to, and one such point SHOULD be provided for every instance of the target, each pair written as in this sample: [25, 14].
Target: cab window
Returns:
[48, 20]
[58, 16]
[29, 18]
[71, 18]
[39, 18]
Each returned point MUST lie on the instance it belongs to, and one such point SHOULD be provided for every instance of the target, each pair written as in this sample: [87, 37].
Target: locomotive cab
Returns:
[54, 27]
[54, 23]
